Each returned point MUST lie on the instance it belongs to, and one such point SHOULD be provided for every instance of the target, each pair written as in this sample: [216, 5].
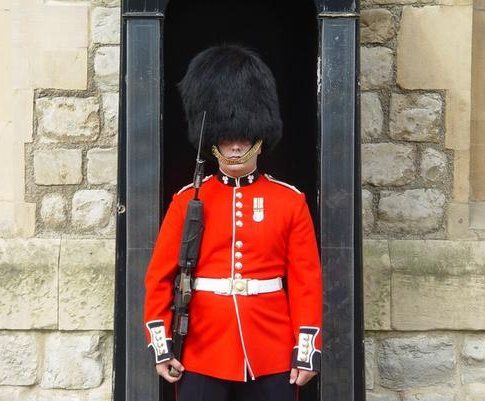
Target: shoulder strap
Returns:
[192, 184]
[270, 178]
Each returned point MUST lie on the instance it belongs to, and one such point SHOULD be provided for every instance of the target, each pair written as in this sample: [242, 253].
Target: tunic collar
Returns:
[238, 181]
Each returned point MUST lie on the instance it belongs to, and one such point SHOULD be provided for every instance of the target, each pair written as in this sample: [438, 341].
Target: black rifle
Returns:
[188, 257]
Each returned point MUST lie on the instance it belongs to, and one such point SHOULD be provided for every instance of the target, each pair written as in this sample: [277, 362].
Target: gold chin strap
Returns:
[240, 160]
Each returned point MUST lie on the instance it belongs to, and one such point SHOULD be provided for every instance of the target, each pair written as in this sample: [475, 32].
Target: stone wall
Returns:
[59, 124]
[423, 251]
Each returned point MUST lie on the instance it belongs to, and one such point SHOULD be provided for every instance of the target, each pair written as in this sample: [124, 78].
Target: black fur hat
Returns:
[238, 91]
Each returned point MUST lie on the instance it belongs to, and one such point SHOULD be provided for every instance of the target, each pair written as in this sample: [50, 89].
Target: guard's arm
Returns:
[159, 280]
[305, 289]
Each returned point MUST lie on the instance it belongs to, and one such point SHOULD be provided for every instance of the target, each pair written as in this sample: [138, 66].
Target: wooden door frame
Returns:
[338, 151]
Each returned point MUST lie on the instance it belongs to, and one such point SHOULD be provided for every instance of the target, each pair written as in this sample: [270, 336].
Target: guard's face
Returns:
[234, 150]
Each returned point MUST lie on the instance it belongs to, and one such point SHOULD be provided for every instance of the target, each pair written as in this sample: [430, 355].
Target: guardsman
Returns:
[251, 337]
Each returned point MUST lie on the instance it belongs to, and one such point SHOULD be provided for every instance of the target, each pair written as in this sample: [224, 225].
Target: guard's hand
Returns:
[164, 367]
[301, 376]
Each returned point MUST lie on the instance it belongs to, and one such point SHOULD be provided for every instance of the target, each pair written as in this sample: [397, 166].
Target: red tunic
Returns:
[233, 336]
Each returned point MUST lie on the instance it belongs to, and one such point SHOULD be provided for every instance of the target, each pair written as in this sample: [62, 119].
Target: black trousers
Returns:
[196, 387]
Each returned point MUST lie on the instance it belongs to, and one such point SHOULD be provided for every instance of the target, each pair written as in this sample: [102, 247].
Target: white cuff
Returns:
[160, 344]
[305, 354]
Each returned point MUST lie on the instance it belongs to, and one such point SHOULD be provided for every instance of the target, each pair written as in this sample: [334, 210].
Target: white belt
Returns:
[229, 286]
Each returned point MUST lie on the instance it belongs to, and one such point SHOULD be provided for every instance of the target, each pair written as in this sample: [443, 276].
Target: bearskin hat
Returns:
[238, 92]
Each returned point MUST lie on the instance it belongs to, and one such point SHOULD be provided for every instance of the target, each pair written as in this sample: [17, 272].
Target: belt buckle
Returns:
[240, 286]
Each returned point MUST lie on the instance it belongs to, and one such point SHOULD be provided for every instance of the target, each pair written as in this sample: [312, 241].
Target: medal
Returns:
[258, 209]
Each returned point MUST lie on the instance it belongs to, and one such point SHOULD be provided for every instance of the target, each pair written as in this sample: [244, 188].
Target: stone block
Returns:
[39, 394]
[105, 25]
[370, 363]
[458, 221]
[102, 393]
[477, 215]
[387, 164]
[473, 354]
[461, 176]
[28, 294]
[52, 26]
[458, 124]
[12, 168]
[106, 68]
[102, 166]
[91, 208]
[477, 166]
[10, 393]
[53, 210]
[367, 212]
[86, 284]
[57, 166]
[376, 25]
[377, 290]
[68, 119]
[445, 395]
[441, 58]
[437, 257]
[473, 374]
[17, 219]
[72, 361]
[418, 361]
[473, 351]
[411, 211]
[435, 285]
[107, 349]
[110, 114]
[18, 359]
[415, 117]
[376, 67]
[22, 122]
[58, 68]
[371, 396]
[474, 392]
[48, 44]
[372, 116]
[433, 165]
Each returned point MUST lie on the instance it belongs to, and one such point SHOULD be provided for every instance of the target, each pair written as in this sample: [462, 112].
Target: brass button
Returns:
[238, 255]
[239, 213]
[239, 205]
[239, 223]
[238, 265]
[238, 276]
[239, 244]
[239, 195]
